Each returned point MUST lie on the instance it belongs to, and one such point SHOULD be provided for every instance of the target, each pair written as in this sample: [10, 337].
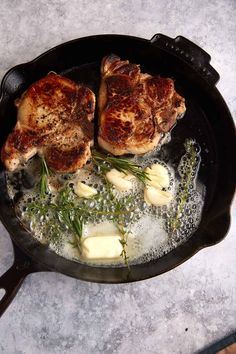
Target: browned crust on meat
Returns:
[21, 141]
[53, 114]
[69, 160]
[134, 108]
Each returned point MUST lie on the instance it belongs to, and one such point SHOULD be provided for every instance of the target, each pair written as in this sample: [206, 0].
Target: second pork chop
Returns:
[135, 109]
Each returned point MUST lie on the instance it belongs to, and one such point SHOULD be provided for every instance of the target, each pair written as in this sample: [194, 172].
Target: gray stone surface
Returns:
[53, 313]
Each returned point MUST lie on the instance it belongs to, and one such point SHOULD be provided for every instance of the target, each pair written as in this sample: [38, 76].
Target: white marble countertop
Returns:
[181, 311]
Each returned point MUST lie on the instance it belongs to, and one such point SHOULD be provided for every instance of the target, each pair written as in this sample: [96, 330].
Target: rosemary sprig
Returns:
[75, 225]
[68, 212]
[44, 173]
[106, 162]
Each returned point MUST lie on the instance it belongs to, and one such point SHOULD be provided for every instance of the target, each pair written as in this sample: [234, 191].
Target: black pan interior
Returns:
[207, 120]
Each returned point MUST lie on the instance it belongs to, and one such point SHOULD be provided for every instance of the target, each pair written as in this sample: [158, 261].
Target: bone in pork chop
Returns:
[55, 120]
[135, 109]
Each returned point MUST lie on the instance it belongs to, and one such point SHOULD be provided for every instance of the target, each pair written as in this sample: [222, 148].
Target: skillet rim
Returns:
[199, 246]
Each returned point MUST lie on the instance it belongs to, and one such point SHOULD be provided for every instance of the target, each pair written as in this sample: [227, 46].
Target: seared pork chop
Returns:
[135, 109]
[55, 120]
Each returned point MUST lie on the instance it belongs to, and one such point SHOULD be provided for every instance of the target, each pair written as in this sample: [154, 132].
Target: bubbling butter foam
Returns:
[150, 235]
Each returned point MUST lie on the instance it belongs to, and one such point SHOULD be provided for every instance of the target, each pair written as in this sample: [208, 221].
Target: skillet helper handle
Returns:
[13, 278]
[189, 52]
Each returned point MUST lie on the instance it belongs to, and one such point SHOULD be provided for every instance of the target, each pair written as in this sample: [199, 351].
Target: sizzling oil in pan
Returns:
[148, 231]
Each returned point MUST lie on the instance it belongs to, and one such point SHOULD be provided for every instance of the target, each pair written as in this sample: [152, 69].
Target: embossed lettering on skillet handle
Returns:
[189, 52]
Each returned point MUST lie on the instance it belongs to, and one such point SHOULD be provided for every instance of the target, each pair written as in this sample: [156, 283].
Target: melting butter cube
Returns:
[84, 191]
[156, 196]
[120, 180]
[101, 247]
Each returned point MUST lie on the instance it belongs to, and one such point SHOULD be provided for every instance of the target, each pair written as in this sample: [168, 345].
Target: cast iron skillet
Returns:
[207, 119]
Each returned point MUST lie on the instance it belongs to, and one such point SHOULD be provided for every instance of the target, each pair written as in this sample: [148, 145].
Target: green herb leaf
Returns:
[64, 215]
[188, 167]
[106, 162]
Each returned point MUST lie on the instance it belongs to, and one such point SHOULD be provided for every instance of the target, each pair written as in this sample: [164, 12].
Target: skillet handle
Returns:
[13, 278]
[189, 52]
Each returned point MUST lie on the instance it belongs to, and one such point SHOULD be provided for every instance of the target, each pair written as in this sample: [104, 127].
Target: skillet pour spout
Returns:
[207, 120]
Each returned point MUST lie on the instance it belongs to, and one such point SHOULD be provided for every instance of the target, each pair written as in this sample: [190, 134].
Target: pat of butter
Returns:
[84, 191]
[120, 180]
[101, 247]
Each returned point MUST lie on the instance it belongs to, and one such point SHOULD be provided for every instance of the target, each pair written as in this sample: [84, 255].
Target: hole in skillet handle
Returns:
[190, 53]
[11, 281]
[2, 293]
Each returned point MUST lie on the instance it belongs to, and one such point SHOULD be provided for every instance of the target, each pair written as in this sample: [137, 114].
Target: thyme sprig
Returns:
[82, 209]
[124, 242]
[69, 213]
[187, 168]
[65, 215]
[106, 162]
